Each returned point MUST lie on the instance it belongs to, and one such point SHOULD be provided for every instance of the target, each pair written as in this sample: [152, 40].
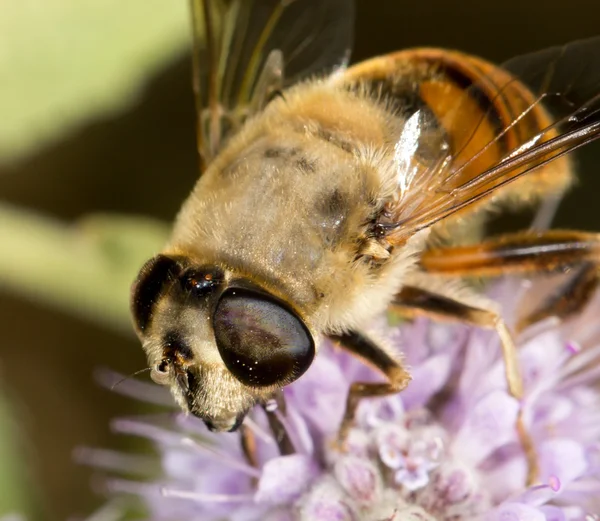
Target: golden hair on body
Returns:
[323, 204]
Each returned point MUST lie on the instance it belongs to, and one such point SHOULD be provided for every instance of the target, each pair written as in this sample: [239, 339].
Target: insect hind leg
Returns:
[568, 299]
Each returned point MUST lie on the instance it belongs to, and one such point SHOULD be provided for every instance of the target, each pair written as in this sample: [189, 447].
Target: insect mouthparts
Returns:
[231, 424]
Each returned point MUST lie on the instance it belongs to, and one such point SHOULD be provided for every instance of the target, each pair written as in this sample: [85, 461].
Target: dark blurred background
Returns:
[143, 161]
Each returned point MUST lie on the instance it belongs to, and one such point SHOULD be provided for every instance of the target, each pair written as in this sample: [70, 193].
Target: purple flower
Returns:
[445, 449]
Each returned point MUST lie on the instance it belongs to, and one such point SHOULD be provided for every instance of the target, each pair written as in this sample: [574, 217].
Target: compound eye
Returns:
[261, 341]
[153, 279]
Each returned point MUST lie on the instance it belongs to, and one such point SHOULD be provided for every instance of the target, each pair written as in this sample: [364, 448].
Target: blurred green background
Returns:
[96, 117]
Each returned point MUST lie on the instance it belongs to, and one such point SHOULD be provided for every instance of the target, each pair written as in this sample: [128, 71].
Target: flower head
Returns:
[446, 449]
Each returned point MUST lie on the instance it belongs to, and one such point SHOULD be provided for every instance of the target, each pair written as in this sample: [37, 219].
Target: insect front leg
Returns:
[248, 441]
[376, 355]
[277, 404]
[413, 301]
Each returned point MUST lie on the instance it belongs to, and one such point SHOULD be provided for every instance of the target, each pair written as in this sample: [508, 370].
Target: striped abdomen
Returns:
[483, 112]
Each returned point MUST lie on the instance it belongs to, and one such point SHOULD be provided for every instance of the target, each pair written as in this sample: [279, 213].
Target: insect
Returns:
[329, 194]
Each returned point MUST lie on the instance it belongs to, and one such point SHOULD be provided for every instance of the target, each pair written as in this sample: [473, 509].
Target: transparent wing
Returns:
[245, 51]
[566, 80]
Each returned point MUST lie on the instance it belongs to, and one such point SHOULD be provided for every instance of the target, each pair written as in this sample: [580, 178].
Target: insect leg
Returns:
[280, 434]
[249, 446]
[413, 301]
[365, 348]
[529, 252]
[568, 299]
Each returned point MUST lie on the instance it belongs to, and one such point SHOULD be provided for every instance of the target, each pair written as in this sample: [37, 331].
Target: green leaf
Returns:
[65, 61]
[85, 269]
[18, 496]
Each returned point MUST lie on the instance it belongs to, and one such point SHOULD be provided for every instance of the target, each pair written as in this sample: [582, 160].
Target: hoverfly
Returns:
[328, 194]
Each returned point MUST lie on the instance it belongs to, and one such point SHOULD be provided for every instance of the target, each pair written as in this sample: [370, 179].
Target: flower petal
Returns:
[359, 478]
[489, 425]
[284, 479]
[318, 394]
[515, 512]
[563, 458]
[553, 513]
[432, 375]
[326, 502]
